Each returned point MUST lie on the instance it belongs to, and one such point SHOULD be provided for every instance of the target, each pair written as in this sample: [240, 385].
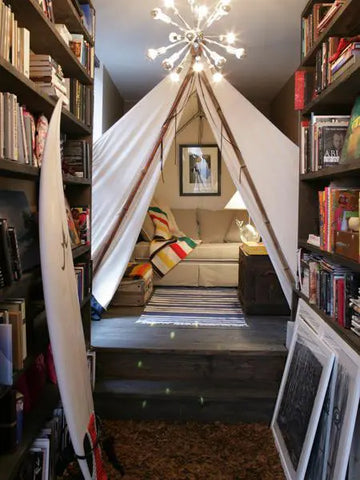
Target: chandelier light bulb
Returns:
[229, 38]
[202, 11]
[240, 53]
[175, 37]
[198, 65]
[167, 65]
[175, 77]
[217, 77]
[169, 4]
[152, 54]
[158, 14]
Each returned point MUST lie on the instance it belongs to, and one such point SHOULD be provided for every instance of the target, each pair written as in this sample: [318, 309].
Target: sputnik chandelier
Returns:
[192, 40]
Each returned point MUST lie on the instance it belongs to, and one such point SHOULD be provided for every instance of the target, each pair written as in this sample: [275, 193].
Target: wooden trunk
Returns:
[259, 289]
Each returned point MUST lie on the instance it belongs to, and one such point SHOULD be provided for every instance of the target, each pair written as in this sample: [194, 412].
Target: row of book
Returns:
[76, 157]
[83, 51]
[14, 41]
[317, 22]
[13, 338]
[47, 8]
[78, 218]
[22, 135]
[336, 206]
[10, 261]
[322, 141]
[80, 101]
[87, 15]
[333, 59]
[83, 279]
[354, 305]
[328, 286]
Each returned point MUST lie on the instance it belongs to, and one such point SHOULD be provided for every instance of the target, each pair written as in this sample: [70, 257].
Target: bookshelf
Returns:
[44, 39]
[336, 98]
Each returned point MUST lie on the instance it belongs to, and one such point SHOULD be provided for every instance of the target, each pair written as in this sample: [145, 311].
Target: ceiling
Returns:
[268, 29]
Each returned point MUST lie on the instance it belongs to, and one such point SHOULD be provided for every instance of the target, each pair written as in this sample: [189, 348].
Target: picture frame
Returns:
[300, 400]
[336, 446]
[200, 170]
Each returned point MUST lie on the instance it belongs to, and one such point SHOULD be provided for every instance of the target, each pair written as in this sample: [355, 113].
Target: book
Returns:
[331, 144]
[73, 232]
[17, 306]
[15, 319]
[15, 254]
[351, 150]
[6, 359]
[5, 252]
[81, 217]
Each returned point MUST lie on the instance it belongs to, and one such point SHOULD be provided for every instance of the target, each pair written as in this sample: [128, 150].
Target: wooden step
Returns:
[225, 401]
[174, 365]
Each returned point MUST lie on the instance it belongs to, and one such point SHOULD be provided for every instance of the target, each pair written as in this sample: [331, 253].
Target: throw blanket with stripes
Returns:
[166, 251]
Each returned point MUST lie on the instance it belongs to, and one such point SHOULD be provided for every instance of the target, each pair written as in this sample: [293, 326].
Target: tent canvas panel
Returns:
[276, 181]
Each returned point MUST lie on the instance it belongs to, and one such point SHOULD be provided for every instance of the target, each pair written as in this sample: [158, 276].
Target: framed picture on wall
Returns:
[200, 170]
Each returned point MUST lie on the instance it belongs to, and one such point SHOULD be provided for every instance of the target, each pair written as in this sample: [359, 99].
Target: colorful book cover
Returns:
[351, 150]
[73, 232]
[341, 201]
[81, 216]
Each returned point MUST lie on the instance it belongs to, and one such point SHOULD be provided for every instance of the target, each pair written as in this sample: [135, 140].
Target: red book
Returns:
[340, 287]
[299, 101]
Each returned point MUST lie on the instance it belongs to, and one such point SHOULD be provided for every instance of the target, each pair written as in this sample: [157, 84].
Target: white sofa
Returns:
[213, 263]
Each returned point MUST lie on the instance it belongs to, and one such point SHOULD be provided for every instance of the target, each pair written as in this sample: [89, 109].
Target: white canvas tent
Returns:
[127, 166]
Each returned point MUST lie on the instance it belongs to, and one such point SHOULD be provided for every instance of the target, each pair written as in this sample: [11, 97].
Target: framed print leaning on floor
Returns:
[300, 400]
[200, 170]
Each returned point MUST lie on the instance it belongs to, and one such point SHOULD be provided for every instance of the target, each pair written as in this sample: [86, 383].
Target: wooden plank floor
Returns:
[118, 330]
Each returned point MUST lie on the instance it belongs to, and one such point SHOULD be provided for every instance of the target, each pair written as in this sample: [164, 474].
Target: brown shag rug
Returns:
[156, 450]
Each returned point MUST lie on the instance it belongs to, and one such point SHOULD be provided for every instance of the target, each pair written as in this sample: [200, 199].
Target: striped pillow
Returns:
[161, 223]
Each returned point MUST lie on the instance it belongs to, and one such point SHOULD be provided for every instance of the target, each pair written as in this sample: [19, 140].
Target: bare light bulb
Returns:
[217, 77]
[169, 4]
[198, 67]
[230, 38]
[158, 14]
[202, 11]
[175, 77]
[152, 54]
[175, 37]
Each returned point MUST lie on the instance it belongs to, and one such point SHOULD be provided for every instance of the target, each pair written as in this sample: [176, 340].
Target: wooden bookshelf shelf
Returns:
[339, 96]
[78, 251]
[334, 257]
[9, 464]
[65, 12]
[45, 39]
[11, 168]
[35, 99]
[344, 23]
[332, 172]
[346, 334]
[72, 180]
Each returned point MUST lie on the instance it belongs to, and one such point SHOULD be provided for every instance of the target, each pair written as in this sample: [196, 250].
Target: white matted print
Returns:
[200, 170]
[300, 400]
[345, 405]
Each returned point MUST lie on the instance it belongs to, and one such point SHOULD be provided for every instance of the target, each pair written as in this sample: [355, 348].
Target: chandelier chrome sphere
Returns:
[191, 39]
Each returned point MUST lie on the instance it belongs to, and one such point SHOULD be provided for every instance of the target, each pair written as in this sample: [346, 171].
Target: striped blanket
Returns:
[166, 250]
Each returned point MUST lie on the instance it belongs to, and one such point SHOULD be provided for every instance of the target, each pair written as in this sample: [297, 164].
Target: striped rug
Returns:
[197, 307]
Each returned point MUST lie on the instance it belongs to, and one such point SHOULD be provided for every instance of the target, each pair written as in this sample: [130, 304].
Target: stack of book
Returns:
[13, 343]
[76, 158]
[314, 24]
[322, 140]
[328, 286]
[17, 131]
[47, 8]
[83, 51]
[14, 41]
[88, 18]
[80, 100]
[83, 279]
[48, 75]
[336, 206]
[345, 60]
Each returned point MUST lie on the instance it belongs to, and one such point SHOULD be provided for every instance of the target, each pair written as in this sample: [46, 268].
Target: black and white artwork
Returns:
[345, 405]
[301, 398]
[354, 460]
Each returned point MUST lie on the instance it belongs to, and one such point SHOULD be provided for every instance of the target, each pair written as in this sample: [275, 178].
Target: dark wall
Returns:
[282, 112]
[113, 103]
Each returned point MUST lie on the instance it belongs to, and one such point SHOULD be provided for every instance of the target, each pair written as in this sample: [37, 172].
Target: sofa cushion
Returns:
[205, 252]
[187, 222]
[213, 224]
[233, 233]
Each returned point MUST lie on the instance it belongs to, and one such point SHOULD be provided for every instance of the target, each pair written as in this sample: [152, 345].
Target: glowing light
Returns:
[175, 77]
[169, 4]
[144, 403]
[139, 364]
[217, 77]
[172, 335]
[198, 67]
[167, 391]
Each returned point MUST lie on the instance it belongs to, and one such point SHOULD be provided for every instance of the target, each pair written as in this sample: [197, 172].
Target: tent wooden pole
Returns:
[244, 171]
[144, 171]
